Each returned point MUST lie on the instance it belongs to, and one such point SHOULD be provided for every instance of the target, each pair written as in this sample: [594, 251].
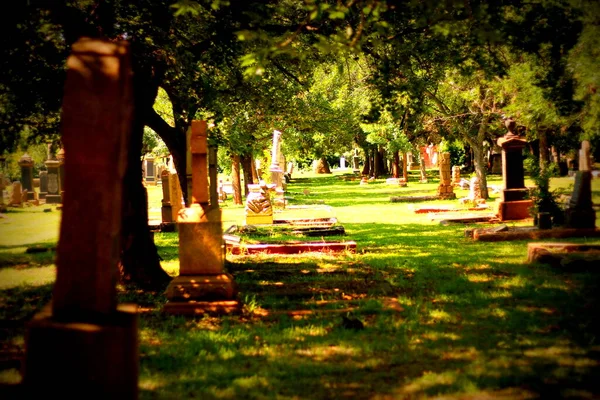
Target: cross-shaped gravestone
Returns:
[202, 285]
[85, 345]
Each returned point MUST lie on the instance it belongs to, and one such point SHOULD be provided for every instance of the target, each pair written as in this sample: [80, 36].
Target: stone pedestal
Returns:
[72, 358]
[26, 164]
[202, 285]
[166, 208]
[512, 199]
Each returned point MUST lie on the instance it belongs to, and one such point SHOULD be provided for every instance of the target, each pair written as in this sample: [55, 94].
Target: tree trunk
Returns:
[255, 177]
[543, 149]
[405, 167]
[376, 163]
[140, 263]
[366, 171]
[480, 169]
[323, 166]
[246, 161]
[235, 179]
[396, 165]
[422, 168]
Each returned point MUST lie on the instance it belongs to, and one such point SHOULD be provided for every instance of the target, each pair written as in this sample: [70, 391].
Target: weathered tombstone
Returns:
[580, 212]
[258, 205]
[16, 198]
[512, 204]
[43, 184]
[26, 164]
[474, 190]
[496, 163]
[456, 175]
[445, 189]
[202, 284]
[342, 162]
[60, 156]
[275, 168]
[149, 176]
[166, 208]
[54, 188]
[85, 344]
[355, 162]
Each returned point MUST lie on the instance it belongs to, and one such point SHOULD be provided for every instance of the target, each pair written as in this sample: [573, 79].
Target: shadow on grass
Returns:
[472, 318]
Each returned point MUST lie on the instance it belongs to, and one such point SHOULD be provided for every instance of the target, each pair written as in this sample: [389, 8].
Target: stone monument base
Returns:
[53, 199]
[190, 294]
[514, 210]
[259, 219]
[510, 195]
[580, 218]
[71, 360]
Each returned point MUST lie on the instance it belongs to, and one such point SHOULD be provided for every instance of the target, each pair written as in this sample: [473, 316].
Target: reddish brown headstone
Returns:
[85, 344]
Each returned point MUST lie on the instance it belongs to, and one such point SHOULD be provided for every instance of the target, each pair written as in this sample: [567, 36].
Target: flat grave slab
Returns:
[530, 233]
[567, 255]
[412, 199]
[465, 218]
[290, 248]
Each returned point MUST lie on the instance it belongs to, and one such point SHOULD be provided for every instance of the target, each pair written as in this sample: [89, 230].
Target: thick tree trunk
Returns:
[235, 179]
[480, 167]
[405, 167]
[396, 165]
[246, 161]
[323, 166]
[366, 170]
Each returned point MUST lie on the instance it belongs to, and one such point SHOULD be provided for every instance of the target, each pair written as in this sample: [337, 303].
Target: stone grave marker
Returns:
[16, 198]
[456, 175]
[512, 204]
[150, 172]
[259, 209]
[43, 184]
[202, 285]
[85, 344]
[54, 188]
[26, 164]
[580, 212]
[445, 189]
[60, 156]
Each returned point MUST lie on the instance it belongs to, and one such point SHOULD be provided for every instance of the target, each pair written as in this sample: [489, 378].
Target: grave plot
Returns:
[568, 256]
[286, 239]
[302, 290]
[504, 232]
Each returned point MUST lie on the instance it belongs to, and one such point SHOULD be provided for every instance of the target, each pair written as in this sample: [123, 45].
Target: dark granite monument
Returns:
[26, 164]
[513, 204]
[580, 212]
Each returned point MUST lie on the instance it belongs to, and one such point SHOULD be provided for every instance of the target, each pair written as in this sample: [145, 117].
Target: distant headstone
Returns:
[26, 164]
[580, 212]
[54, 189]
[513, 204]
[342, 162]
[150, 171]
[455, 175]
[60, 156]
[86, 344]
[16, 198]
[445, 189]
[43, 184]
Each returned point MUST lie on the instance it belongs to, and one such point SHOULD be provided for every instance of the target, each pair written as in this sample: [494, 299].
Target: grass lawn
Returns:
[443, 316]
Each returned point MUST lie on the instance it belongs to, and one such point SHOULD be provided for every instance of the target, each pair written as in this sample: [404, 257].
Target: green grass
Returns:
[444, 316]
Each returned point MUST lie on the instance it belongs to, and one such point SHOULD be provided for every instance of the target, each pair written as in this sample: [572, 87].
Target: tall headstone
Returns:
[54, 188]
[275, 168]
[513, 204]
[202, 284]
[150, 171]
[86, 344]
[166, 208]
[60, 156]
[445, 189]
[355, 162]
[580, 212]
[26, 164]
[43, 184]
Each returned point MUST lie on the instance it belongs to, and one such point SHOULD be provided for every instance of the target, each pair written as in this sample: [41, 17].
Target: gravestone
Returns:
[166, 208]
[150, 172]
[445, 189]
[86, 345]
[16, 198]
[202, 284]
[342, 162]
[275, 168]
[60, 156]
[54, 188]
[496, 163]
[456, 175]
[258, 205]
[43, 184]
[26, 164]
[2, 187]
[355, 162]
[512, 204]
[580, 212]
